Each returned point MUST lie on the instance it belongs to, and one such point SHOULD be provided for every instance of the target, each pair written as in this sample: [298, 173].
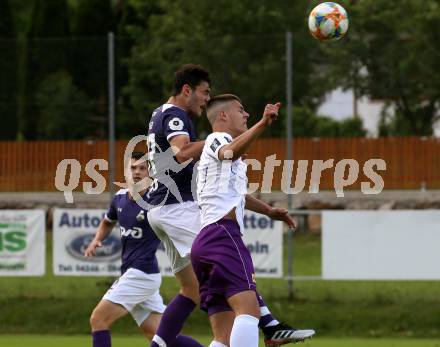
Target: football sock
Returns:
[176, 313]
[266, 318]
[244, 331]
[216, 344]
[102, 338]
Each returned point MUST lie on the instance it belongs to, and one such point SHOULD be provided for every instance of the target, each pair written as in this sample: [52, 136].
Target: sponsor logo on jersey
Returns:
[135, 232]
[140, 216]
[214, 145]
[175, 124]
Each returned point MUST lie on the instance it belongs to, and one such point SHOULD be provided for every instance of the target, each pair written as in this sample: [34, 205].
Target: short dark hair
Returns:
[222, 98]
[190, 74]
[217, 100]
[137, 155]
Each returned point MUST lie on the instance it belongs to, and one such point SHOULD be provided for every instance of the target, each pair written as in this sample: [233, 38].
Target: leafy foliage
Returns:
[391, 55]
[243, 47]
[8, 70]
[65, 110]
[308, 124]
[47, 53]
[388, 55]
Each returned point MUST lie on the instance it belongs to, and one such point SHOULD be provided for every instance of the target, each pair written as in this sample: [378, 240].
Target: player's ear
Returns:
[223, 116]
[186, 90]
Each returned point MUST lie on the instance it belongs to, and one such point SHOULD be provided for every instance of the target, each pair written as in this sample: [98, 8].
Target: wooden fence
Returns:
[411, 162]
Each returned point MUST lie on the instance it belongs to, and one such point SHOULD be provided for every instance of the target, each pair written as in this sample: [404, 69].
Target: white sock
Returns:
[272, 323]
[217, 344]
[244, 331]
[159, 341]
[264, 311]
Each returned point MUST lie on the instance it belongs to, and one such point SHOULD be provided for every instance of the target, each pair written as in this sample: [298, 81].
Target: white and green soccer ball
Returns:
[328, 22]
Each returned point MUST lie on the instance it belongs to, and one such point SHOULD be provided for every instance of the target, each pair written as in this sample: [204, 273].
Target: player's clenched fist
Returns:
[270, 113]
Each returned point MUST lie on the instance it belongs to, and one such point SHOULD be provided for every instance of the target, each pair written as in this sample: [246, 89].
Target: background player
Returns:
[137, 290]
[219, 256]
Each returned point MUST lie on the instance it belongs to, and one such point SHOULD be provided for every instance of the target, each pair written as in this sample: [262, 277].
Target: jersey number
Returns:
[151, 144]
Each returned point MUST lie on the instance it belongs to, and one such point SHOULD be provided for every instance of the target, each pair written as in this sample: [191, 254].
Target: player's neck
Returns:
[223, 129]
[141, 193]
[178, 101]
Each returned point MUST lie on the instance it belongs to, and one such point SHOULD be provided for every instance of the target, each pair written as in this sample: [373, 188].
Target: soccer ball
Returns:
[328, 21]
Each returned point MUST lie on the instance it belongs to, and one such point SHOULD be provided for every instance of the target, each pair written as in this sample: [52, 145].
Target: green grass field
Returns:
[135, 341]
[400, 309]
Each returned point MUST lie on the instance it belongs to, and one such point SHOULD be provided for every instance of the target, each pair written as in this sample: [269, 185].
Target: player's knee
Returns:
[247, 309]
[250, 311]
[191, 292]
[254, 310]
[245, 303]
[97, 322]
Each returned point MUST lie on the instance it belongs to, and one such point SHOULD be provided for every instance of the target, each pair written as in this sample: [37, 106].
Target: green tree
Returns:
[242, 43]
[47, 52]
[307, 124]
[8, 71]
[391, 54]
[131, 19]
[352, 127]
[92, 21]
[65, 111]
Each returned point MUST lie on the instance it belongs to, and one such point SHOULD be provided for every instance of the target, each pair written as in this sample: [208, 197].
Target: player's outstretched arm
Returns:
[241, 143]
[104, 229]
[185, 150]
[276, 213]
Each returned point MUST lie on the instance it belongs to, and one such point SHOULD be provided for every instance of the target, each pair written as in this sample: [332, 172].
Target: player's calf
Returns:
[189, 286]
[245, 328]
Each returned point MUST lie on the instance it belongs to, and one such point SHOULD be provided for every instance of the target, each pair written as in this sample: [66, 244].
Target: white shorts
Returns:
[138, 293]
[177, 226]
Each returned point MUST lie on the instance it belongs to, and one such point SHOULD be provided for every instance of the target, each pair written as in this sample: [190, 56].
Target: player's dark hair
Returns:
[222, 98]
[137, 155]
[190, 74]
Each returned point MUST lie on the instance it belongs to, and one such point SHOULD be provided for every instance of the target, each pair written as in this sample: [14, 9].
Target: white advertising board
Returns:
[73, 230]
[381, 245]
[22, 242]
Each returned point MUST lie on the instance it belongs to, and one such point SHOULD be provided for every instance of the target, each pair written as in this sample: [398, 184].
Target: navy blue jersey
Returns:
[172, 181]
[139, 242]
